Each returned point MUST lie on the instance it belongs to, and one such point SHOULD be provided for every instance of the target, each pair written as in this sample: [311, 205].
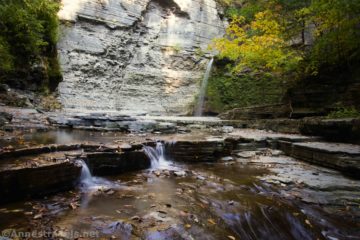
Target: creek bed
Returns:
[268, 196]
[258, 193]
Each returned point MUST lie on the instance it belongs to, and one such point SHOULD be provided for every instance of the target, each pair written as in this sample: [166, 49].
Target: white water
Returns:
[88, 182]
[157, 156]
[200, 104]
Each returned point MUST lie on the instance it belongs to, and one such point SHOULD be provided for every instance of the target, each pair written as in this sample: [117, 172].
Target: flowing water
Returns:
[157, 156]
[88, 182]
[261, 198]
[201, 100]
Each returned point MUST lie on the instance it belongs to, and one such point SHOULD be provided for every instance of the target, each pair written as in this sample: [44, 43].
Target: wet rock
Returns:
[183, 130]
[343, 157]
[37, 181]
[246, 154]
[179, 173]
[226, 159]
[276, 153]
[227, 129]
[199, 151]
[164, 127]
[200, 178]
[115, 163]
[197, 126]
[5, 118]
[157, 173]
[125, 147]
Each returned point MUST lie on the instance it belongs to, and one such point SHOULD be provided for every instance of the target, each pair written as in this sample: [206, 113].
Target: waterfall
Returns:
[89, 182]
[200, 104]
[157, 155]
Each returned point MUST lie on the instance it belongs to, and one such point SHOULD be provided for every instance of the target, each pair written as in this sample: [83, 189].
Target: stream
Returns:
[265, 196]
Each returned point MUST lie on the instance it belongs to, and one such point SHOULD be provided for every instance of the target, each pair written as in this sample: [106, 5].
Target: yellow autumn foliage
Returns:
[257, 45]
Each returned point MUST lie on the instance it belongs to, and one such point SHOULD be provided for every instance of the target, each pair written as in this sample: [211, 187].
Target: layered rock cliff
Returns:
[135, 55]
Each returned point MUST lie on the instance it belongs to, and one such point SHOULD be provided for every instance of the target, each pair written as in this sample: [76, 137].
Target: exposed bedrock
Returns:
[103, 164]
[137, 56]
[198, 151]
[39, 171]
[37, 181]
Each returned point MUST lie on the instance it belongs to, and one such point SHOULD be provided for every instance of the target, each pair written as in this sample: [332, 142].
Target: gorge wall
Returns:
[135, 55]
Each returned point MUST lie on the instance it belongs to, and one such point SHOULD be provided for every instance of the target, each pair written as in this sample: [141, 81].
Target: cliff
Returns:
[135, 56]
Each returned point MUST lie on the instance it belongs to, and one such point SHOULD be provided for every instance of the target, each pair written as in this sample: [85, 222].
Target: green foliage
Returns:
[227, 91]
[344, 112]
[258, 45]
[282, 39]
[261, 35]
[28, 32]
[336, 32]
[6, 59]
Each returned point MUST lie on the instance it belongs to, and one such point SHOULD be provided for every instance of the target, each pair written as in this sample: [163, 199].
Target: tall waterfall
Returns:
[200, 104]
[157, 155]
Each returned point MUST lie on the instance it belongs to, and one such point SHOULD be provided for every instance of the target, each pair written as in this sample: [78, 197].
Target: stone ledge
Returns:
[199, 151]
[336, 156]
[102, 164]
[39, 181]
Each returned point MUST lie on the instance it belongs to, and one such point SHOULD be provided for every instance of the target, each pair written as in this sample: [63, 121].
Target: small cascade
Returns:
[89, 182]
[200, 104]
[157, 156]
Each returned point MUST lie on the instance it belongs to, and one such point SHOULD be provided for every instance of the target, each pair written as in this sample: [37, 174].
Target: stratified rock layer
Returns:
[139, 56]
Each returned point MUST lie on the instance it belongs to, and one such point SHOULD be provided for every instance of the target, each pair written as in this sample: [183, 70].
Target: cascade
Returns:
[157, 156]
[89, 182]
[201, 100]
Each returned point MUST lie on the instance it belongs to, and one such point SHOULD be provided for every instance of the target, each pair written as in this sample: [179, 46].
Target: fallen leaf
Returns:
[308, 222]
[187, 226]
[73, 205]
[38, 216]
[211, 221]
[231, 237]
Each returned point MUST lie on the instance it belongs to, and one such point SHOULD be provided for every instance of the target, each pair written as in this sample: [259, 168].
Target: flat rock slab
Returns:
[343, 157]
[349, 149]
[261, 135]
[39, 160]
[310, 183]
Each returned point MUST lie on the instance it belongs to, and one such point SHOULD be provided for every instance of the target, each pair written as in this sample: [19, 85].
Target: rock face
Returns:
[115, 163]
[199, 151]
[129, 55]
[20, 183]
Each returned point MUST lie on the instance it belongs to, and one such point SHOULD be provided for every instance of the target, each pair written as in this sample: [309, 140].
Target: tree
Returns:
[28, 35]
[258, 45]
